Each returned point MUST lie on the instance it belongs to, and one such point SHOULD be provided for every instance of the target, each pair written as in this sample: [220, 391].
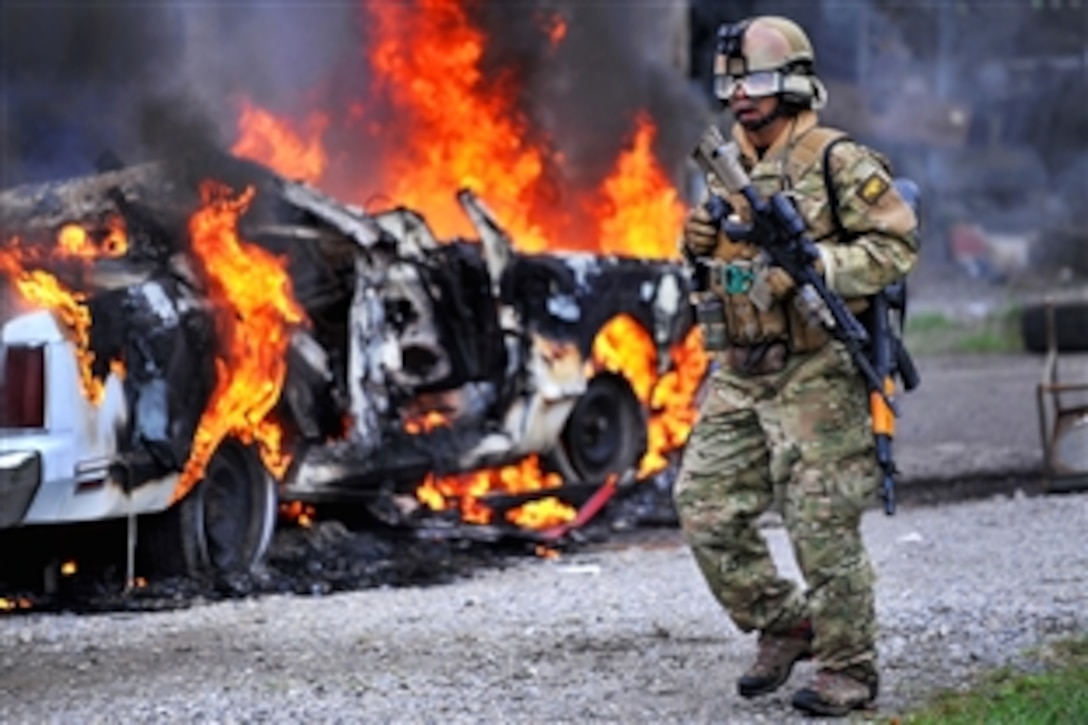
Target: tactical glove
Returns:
[700, 232]
[780, 284]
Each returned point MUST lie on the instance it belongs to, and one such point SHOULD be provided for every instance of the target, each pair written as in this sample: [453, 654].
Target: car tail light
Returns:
[22, 387]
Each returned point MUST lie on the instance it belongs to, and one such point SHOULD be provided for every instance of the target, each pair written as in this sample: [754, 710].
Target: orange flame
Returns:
[465, 491]
[44, 290]
[623, 346]
[301, 513]
[115, 242]
[453, 129]
[673, 403]
[453, 126]
[546, 552]
[426, 421]
[11, 605]
[74, 241]
[542, 514]
[255, 309]
[642, 211]
[554, 26]
[290, 152]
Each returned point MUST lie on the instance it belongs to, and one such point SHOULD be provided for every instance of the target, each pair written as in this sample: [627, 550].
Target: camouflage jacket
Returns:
[880, 228]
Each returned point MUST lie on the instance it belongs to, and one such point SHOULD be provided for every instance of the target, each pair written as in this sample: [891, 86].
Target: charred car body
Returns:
[417, 357]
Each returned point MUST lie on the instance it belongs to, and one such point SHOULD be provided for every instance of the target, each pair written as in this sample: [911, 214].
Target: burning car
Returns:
[190, 345]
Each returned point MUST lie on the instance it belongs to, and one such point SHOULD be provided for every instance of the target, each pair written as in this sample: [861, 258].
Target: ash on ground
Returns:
[82, 569]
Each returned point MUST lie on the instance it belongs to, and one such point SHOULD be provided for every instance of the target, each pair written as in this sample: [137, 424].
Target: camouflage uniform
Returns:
[795, 431]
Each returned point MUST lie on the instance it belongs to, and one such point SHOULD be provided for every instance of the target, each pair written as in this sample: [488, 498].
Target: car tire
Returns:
[222, 527]
[1070, 327]
[605, 432]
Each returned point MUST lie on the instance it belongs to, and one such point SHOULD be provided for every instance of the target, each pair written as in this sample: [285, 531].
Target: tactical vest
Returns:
[750, 321]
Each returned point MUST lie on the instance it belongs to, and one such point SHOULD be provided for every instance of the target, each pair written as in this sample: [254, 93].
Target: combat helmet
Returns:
[768, 55]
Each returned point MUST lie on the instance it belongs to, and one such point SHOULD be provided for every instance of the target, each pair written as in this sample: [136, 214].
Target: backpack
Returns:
[892, 300]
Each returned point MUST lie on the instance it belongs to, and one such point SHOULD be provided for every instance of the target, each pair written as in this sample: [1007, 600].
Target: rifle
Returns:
[890, 358]
[778, 229]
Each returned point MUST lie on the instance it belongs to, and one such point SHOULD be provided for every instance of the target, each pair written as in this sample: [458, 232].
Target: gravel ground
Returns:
[620, 632]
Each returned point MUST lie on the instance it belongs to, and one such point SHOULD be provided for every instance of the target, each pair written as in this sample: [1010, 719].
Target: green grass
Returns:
[932, 333]
[1058, 694]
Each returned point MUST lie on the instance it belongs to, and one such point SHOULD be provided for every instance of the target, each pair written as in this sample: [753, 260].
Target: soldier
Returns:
[786, 418]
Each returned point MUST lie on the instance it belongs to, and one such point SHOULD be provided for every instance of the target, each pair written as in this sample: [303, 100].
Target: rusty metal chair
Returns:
[1063, 421]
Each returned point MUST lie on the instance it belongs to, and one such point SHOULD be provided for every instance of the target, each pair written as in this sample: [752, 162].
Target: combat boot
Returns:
[836, 694]
[775, 659]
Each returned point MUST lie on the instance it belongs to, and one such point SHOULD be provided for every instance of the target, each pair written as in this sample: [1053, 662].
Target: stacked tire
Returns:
[1070, 320]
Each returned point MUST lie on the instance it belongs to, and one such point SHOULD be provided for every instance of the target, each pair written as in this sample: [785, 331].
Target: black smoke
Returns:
[83, 80]
[137, 80]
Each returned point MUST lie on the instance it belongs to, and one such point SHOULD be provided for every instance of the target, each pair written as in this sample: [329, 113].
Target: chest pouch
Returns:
[746, 323]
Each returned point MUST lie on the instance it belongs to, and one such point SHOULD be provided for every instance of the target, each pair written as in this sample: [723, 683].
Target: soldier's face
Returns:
[751, 112]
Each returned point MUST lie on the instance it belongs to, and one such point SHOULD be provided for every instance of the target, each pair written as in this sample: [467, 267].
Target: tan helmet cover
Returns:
[772, 41]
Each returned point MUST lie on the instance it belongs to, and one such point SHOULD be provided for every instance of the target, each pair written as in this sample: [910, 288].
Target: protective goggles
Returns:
[758, 84]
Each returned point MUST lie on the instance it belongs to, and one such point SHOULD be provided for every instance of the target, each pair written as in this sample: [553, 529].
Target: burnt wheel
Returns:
[605, 433]
[222, 527]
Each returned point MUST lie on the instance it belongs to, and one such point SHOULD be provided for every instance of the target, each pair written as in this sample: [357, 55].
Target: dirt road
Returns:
[616, 634]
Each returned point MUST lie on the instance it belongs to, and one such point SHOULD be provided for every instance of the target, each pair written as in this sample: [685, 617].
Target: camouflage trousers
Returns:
[798, 439]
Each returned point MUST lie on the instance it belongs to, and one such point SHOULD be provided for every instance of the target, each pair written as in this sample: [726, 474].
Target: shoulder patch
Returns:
[872, 188]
